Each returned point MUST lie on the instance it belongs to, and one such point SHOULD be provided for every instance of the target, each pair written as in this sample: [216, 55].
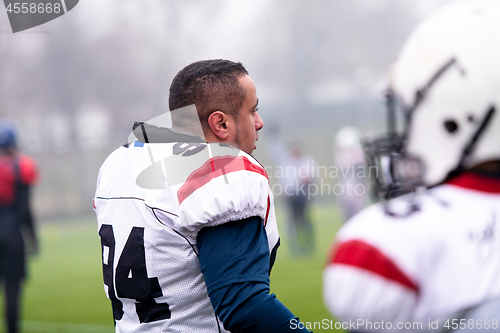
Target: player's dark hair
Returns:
[211, 85]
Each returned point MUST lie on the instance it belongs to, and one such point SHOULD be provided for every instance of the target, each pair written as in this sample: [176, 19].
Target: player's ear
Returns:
[218, 122]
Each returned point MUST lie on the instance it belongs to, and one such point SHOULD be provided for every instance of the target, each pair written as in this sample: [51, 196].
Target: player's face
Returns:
[249, 122]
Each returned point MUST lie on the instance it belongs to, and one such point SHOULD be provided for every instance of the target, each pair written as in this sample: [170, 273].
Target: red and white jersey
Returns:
[420, 258]
[151, 202]
[14, 169]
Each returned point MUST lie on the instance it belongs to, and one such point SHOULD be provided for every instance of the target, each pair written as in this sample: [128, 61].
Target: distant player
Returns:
[349, 157]
[17, 175]
[296, 177]
[186, 216]
[429, 261]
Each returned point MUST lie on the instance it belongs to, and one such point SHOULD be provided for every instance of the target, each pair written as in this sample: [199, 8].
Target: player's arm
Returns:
[361, 282]
[234, 259]
[26, 216]
[28, 177]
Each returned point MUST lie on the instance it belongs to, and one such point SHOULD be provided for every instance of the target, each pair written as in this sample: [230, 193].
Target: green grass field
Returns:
[64, 292]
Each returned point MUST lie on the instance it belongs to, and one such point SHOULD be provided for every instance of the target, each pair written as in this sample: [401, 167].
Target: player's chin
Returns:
[249, 150]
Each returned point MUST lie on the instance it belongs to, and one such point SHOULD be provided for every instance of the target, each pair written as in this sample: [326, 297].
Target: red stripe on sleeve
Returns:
[362, 255]
[216, 167]
[267, 211]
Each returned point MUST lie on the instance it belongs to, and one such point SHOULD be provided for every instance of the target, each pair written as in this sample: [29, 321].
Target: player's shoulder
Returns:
[396, 230]
[230, 185]
[118, 173]
[120, 159]
[207, 165]
[410, 214]
[207, 183]
[28, 169]
[115, 156]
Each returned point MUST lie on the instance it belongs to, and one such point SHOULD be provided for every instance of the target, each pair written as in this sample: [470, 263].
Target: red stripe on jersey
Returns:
[7, 181]
[362, 255]
[477, 182]
[267, 211]
[216, 167]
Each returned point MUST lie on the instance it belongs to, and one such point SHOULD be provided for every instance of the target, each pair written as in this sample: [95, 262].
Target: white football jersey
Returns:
[418, 260]
[151, 201]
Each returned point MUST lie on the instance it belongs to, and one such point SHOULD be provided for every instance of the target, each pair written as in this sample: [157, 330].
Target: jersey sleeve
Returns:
[369, 276]
[362, 283]
[28, 170]
[234, 252]
[213, 185]
[234, 258]
[235, 191]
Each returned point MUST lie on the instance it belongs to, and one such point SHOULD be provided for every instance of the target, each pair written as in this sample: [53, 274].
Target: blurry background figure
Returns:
[295, 171]
[350, 159]
[17, 174]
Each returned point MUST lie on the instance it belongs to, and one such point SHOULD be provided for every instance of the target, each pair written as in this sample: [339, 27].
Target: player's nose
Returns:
[259, 123]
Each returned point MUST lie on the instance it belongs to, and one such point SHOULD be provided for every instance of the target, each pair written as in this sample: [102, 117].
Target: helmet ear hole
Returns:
[451, 125]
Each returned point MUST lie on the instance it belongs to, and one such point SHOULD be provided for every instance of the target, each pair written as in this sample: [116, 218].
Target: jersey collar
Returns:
[478, 182]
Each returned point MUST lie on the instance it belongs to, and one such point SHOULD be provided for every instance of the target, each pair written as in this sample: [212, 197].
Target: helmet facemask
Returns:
[392, 171]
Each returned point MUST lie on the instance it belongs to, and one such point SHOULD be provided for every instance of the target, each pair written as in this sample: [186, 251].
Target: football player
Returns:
[17, 175]
[430, 258]
[186, 216]
[348, 156]
[297, 176]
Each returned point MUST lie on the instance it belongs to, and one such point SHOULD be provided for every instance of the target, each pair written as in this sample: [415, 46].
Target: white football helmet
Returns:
[447, 81]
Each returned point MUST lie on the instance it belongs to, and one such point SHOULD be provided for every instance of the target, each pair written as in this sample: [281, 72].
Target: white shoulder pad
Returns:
[226, 188]
[211, 184]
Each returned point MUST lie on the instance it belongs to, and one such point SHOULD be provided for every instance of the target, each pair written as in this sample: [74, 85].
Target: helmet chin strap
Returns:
[471, 145]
